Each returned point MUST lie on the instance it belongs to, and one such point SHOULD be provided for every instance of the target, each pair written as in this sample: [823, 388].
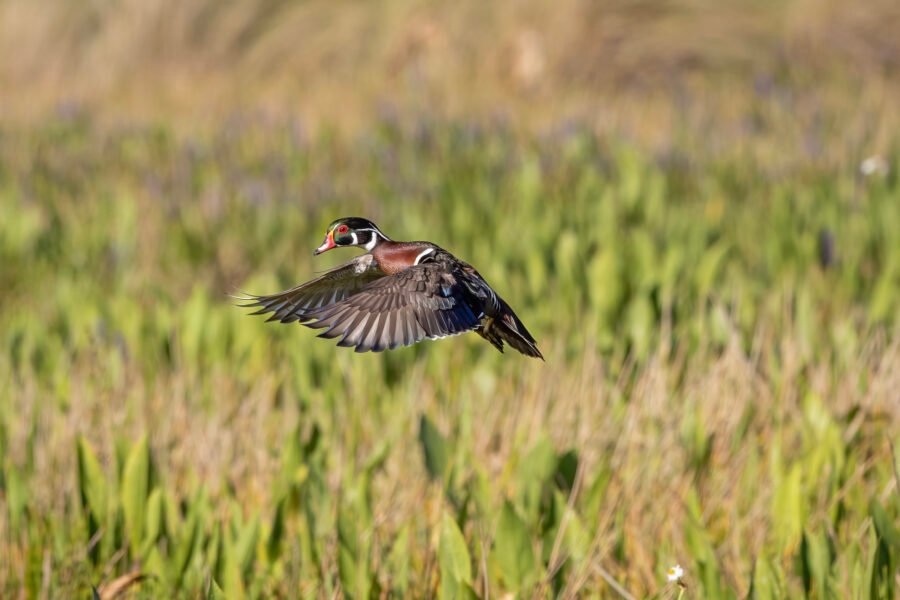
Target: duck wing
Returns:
[424, 301]
[333, 286]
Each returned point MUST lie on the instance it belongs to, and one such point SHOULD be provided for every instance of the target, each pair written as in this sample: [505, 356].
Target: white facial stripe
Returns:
[355, 239]
[375, 230]
[371, 243]
[422, 255]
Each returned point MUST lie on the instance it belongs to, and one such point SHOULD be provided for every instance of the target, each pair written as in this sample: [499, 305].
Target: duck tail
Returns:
[506, 327]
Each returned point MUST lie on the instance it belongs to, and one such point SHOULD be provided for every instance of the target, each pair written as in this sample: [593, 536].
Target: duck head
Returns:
[352, 231]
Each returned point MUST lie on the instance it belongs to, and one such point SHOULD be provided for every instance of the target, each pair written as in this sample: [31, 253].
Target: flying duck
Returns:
[396, 294]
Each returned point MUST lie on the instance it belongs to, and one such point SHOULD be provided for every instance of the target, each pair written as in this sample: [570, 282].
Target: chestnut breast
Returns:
[393, 257]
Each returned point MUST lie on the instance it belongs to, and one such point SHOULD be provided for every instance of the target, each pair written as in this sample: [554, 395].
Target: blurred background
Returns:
[694, 206]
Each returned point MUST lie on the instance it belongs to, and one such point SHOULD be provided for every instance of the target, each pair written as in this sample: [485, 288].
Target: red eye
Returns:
[343, 229]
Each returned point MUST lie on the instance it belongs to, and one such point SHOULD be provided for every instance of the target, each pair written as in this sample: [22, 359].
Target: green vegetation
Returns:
[717, 392]
[669, 194]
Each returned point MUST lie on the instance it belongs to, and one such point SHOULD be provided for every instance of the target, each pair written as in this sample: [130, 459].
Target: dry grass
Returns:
[338, 64]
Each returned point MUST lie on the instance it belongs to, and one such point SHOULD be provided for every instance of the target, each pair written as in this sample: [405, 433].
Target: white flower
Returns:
[674, 574]
[874, 165]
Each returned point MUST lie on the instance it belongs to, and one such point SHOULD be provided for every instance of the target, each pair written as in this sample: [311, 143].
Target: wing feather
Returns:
[328, 289]
[423, 301]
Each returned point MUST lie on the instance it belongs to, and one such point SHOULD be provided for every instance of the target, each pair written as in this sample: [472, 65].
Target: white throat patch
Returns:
[374, 240]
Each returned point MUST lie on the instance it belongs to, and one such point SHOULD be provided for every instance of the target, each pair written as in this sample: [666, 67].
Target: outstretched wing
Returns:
[332, 286]
[424, 301]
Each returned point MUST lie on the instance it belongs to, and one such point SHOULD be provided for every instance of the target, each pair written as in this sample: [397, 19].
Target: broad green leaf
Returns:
[592, 499]
[454, 558]
[215, 592]
[33, 570]
[232, 580]
[92, 485]
[353, 556]
[184, 548]
[276, 533]
[815, 558]
[787, 509]
[706, 271]
[215, 553]
[454, 590]
[868, 581]
[639, 320]
[377, 458]
[135, 485]
[153, 525]
[566, 470]
[884, 526]
[704, 555]
[91, 480]
[604, 283]
[398, 562]
[881, 584]
[153, 565]
[513, 552]
[16, 498]
[577, 538]
[435, 448]
[885, 555]
[534, 472]
[172, 522]
[245, 546]
[766, 583]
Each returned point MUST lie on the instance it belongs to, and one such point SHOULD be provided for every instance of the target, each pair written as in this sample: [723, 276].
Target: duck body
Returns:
[396, 294]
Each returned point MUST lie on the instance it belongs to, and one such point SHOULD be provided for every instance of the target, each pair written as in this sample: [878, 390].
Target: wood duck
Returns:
[396, 294]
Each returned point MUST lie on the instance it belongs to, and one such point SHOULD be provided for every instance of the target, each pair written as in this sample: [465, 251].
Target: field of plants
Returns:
[711, 268]
[720, 387]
